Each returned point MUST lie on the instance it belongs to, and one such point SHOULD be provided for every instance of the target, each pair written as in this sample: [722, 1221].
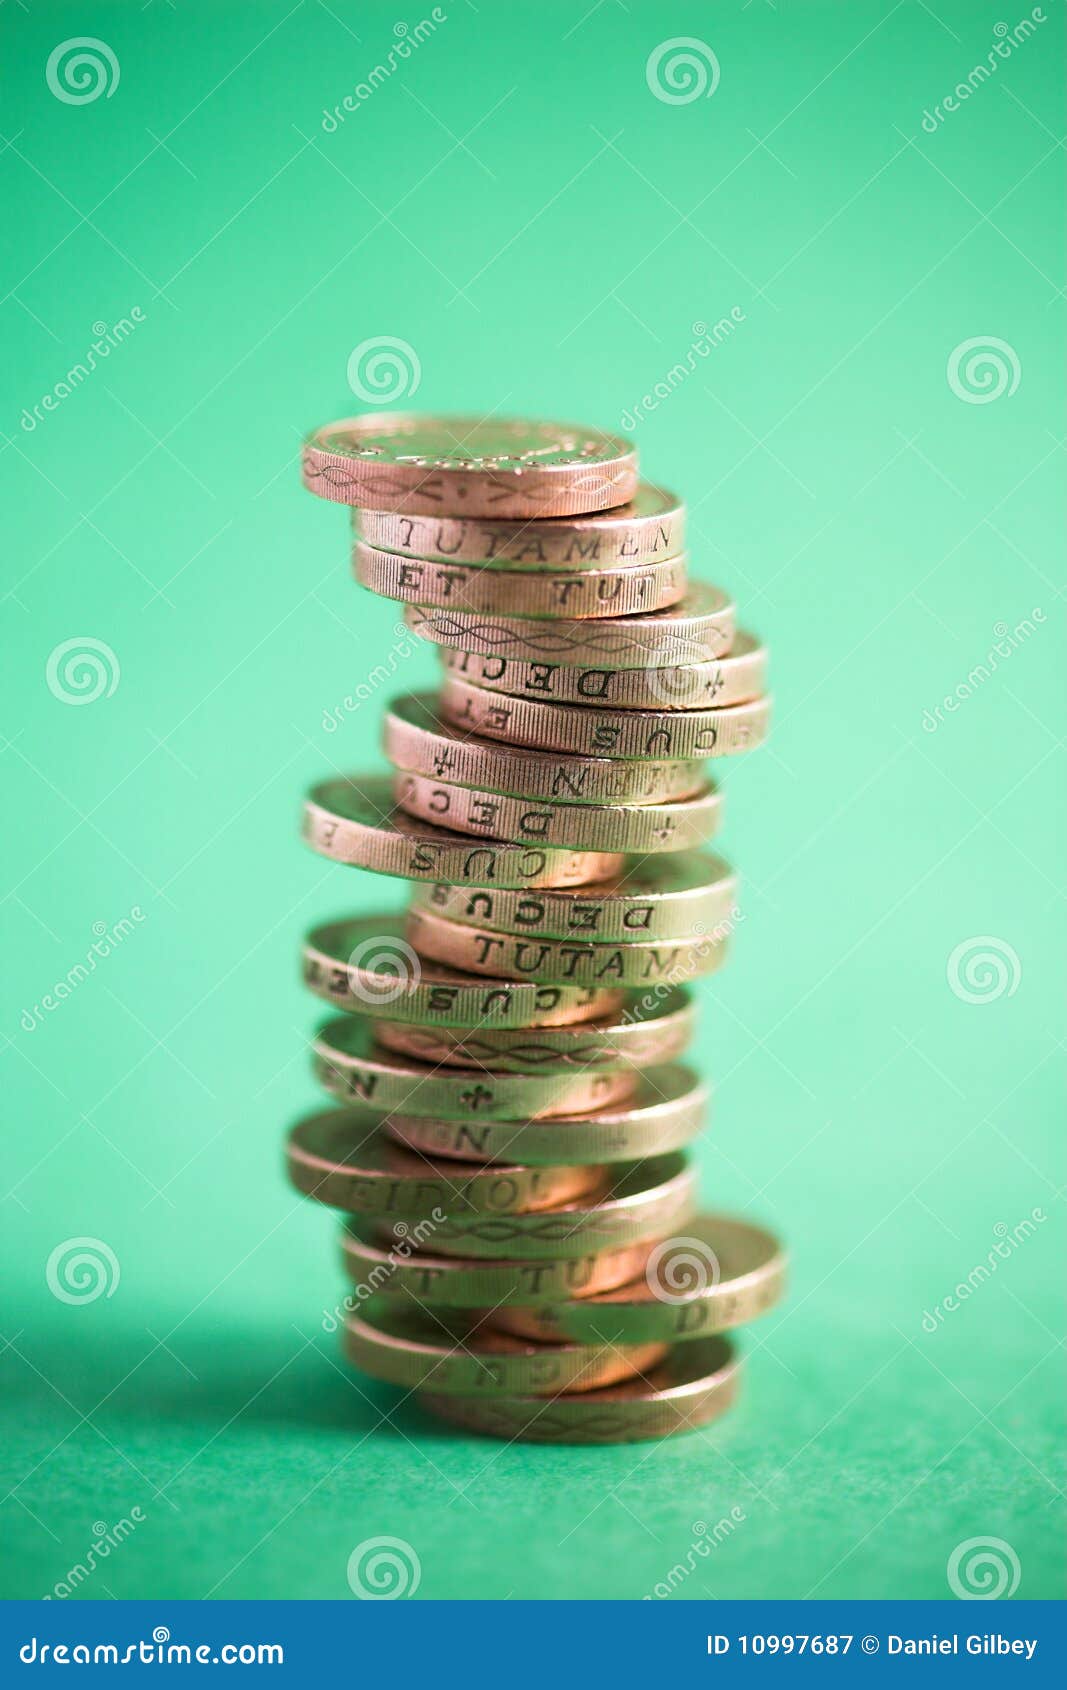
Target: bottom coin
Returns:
[695, 1384]
[392, 1339]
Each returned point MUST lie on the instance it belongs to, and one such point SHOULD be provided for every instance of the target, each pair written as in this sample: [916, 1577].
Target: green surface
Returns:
[516, 204]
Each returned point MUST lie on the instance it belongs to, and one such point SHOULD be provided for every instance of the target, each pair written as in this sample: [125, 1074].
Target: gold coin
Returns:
[697, 686]
[668, 897]
[722, 1273]
[468, 466]
[637, 828]
[591, 730]
[445, 1351]
[637, 1201]
[509, 956]
[342, 1158]
[655, 1027]
[696, 630]
[348, 1063]
[650, 527]
[694, 1385]
[359, 822]
[367, 966]
[419, 743]
[665, 1113]
[410, 1268]
[482, 590]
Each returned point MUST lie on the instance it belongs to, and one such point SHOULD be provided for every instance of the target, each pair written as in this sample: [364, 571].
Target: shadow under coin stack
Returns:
[511, 1148]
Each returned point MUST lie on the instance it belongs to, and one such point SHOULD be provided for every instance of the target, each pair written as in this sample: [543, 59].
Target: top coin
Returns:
[649, 528]
[468, 466]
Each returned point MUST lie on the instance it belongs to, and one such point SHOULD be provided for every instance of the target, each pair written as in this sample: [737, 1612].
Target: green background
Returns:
[517, 205]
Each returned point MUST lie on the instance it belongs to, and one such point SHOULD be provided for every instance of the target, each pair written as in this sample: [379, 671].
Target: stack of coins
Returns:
[511, 1147]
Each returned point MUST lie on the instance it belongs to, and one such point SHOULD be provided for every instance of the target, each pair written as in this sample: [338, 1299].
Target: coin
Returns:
[656, 1028]
[638, 828]
[666, 897]
[419, 743]
[723, 1273]
[481, 589]
[470, 466]
[695, 1384]
[347, 1062]
[696, 686]
[341, 1157]
[651, 526]
[367, 966]
[638, 1201]
[448, 1351]
[406, 1268]
[358, 821]
[590, 730]
[698, 629]
[508, 956]
[666, 1112]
